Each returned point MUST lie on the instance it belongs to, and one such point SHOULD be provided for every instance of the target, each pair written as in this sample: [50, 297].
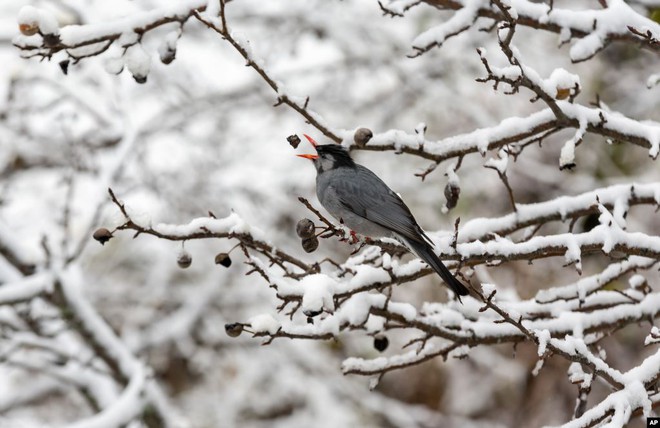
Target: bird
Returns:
[359, 199]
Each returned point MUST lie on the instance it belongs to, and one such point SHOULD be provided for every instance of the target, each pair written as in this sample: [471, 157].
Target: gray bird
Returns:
[357, 198]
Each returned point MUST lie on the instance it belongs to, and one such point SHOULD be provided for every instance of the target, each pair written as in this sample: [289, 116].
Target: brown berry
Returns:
[102, 235]
[234, 329]
[452, 191]
[139, 78]
[29, 29]
[381, 343]
[305, 228]
[167, 55]
[184, 260]
[310, 244]
[294, 140]
[223, 259]
[362, 136]
[563, 93]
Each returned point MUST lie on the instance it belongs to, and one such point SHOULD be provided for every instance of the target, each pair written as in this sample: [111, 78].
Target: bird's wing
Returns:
[362, 192]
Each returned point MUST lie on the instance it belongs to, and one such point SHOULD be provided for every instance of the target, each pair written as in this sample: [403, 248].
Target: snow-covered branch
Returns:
[41, 41]
[298, 104]
[591, 30]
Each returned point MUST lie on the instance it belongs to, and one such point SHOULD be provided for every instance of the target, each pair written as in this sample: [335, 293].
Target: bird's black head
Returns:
[330, 156]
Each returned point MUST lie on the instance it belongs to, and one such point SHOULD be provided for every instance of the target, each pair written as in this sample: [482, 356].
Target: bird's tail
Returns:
[425, 252]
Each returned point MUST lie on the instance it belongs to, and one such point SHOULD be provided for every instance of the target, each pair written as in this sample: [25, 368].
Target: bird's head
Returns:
[329, 156]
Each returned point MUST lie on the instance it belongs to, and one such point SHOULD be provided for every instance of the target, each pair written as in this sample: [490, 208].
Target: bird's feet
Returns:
[364, 241]
[351, 239]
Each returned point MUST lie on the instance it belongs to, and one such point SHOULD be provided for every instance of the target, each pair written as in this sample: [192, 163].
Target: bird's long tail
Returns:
[425, 252]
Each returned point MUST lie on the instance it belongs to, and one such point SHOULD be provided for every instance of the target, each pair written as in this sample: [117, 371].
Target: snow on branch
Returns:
[510, 130]
[592, 30]
[515, 133]
[619, 198]
[125, 368]
[231, 227]
[559, 92]
[337, 299]
[325, 299]
[99, 36]
[25, 289]
[83, 41]
[298, 104]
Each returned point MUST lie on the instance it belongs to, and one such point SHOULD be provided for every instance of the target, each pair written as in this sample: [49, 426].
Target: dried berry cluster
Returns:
[306, 230]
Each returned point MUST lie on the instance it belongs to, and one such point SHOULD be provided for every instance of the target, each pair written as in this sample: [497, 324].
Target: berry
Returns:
[102, 235]
[362, 136]
[29, 29]
[167, 55]
[305, 228]
[140, 78]
[223, 259]
[184, 260]
[310, 244]
[381, 342]
[452, 191]
[294, 140]
[563, 93]
[234, 329]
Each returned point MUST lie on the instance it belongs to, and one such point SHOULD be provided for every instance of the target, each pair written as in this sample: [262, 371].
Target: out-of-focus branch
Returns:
[78, 36]
[558, 92]
[593, 29]
[296, 103]
[125, 368]
[618, 198]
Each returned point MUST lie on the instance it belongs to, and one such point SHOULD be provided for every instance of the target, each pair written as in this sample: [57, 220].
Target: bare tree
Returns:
[581, 218]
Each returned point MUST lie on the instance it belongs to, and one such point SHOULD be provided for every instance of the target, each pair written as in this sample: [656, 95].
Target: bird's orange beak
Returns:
[310, 156]
[311, 140]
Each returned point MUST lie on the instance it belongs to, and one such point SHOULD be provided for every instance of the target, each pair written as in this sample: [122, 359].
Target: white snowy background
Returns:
[120, 335]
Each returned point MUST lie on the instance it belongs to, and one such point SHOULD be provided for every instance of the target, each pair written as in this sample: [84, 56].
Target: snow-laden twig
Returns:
[73, 37]
[592, 29]
[26, 288]
[561, 209]
[298, 104]
[593, 283]
[128, 406]
[125, 367]
[12, 251]
[521, 130]
[462, 19]
[230, 227]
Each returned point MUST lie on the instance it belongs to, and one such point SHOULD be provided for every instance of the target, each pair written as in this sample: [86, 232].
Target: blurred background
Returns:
[207, 138]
